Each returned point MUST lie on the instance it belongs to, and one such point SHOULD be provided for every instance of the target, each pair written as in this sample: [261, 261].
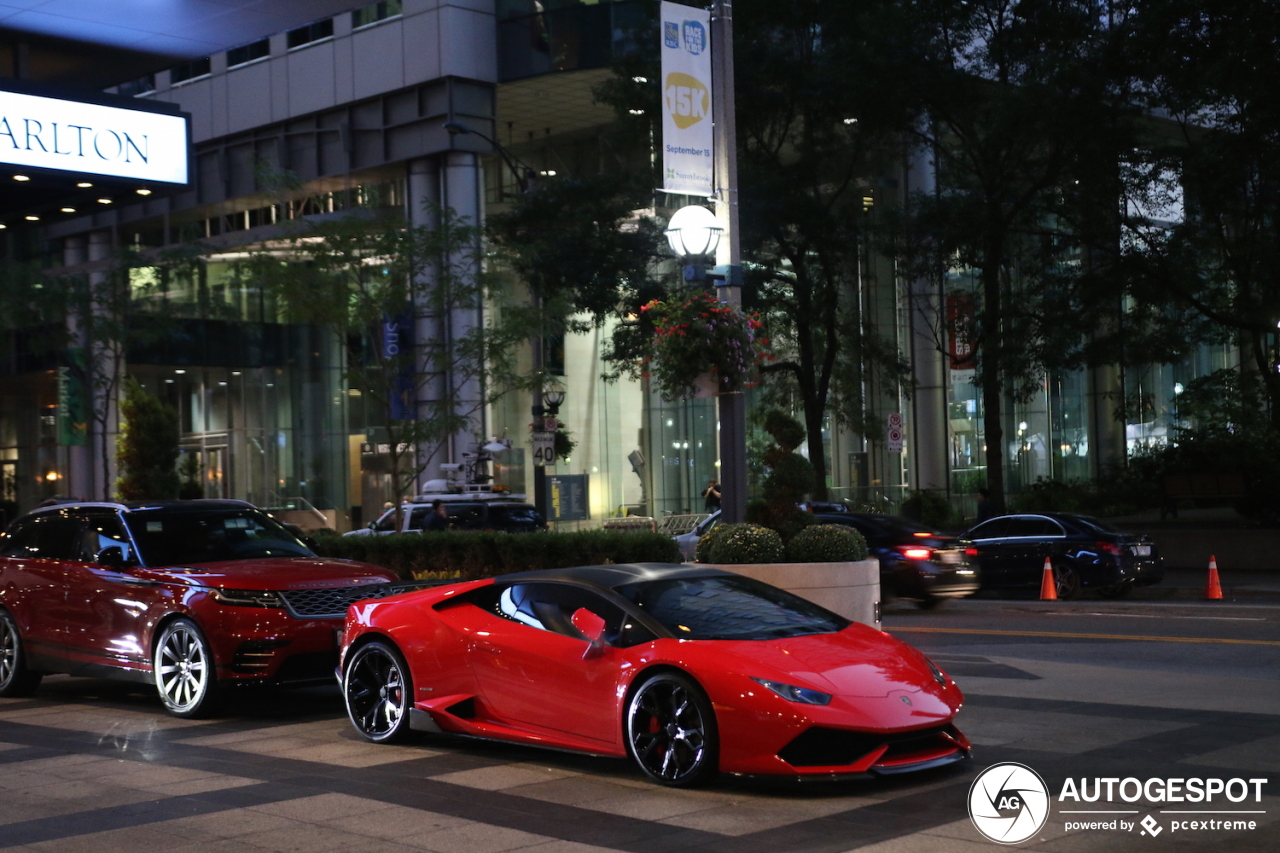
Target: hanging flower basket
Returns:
[701, 335]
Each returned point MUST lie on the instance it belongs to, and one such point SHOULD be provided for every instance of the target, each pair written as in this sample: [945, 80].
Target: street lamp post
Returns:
[550, 397]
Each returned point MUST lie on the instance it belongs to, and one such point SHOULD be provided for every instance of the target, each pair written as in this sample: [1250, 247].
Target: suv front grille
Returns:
[330, 603]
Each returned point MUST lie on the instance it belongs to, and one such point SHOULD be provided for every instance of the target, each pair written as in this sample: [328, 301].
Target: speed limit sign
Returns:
[544, 448]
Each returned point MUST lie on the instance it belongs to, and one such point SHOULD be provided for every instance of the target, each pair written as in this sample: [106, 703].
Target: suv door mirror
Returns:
[111, 557]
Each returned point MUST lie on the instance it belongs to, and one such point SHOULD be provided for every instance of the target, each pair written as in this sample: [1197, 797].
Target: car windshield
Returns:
[179, 536]
[729, 608]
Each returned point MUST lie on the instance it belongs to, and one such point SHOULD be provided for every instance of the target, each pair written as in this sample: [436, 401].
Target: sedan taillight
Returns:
[913, 553]
[1109, 548]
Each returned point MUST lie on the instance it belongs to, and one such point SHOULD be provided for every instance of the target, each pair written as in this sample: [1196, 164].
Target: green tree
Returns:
[147, 446]
[1202, 226]
[1022, 110]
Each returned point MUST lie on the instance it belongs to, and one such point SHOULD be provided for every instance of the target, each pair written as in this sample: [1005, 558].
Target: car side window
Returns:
[103, 532]
[19, 540]
[550, 607]
[1033, 526]
[418, 517]
[996, 528]
[57, 538]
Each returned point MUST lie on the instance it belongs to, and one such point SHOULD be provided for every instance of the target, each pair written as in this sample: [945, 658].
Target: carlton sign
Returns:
[40, 132]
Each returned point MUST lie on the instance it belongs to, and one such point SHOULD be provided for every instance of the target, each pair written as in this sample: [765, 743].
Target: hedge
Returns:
[473, 555]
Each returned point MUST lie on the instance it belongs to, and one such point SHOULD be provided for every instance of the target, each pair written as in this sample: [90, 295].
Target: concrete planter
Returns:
[850, 589]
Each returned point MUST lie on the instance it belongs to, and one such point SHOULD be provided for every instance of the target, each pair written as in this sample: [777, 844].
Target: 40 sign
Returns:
[544, 448]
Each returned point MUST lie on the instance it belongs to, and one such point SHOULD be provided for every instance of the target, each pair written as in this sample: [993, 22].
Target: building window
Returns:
[141, 86]
[375, 12]
[248, 53]
[189, 71]
[311, 33]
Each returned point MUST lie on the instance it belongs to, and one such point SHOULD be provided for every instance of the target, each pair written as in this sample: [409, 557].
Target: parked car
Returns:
[688, 542]
[916, 562]
[192, 596]
[687, 671]
[502, 514]
[1085, 552]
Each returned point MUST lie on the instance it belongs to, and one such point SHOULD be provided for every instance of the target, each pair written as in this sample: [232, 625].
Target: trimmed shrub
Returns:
[472, 555]
[702, 551]
[745, 543]
[827, 543]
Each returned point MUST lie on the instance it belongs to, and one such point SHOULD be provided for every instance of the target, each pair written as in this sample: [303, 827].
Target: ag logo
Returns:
[687, 99]
[1008, 803]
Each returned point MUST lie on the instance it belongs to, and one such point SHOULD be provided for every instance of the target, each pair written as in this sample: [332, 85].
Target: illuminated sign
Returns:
[73, 136]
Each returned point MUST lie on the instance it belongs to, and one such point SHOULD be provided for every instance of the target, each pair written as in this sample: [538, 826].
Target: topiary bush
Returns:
[745, 543]
[791, 477]
[827, 543]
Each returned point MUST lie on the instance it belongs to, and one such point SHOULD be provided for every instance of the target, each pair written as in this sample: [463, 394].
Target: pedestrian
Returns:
[711, 496]
[439, 519]
[984, 506]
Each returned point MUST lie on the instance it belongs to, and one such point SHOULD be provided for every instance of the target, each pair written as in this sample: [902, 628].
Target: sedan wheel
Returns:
[184, 670]
[671, 731]
[1066, 581]
[15, 678]
[377, 689]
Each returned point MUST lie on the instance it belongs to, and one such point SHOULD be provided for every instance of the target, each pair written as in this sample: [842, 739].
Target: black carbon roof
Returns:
[615, 575]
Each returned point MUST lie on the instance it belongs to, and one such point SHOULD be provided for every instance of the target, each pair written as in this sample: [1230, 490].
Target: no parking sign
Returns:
[893, 436]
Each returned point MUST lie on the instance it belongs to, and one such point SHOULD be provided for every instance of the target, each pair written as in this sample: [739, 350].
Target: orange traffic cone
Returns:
[1212, 588]
[1048, 589]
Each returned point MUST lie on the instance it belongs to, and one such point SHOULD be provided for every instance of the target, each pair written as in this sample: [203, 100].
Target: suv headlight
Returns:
[791, 693]
[247, 598]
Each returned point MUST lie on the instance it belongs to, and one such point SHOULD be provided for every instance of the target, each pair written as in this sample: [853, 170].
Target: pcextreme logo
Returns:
[687, 99]
[1010, 803]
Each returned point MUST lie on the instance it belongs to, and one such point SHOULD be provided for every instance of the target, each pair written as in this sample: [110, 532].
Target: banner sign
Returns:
[397, 348]
[94, 139]
[686, 100]
[960, 322]
[567, 497]
[73, 403]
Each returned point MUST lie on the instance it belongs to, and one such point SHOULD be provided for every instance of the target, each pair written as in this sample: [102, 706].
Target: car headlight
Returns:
[247, 598]
[791, 693]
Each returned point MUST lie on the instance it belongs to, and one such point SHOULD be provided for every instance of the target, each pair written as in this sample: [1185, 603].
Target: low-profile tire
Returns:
[184, 670]
[1066, 581]
[378, 691]
[15, 678]
[1115, 590]
[671, 731]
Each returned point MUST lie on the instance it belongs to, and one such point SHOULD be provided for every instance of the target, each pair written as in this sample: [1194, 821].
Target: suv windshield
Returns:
[173, 536]
[729, 608]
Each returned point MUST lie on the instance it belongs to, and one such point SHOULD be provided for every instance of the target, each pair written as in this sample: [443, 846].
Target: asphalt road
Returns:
[1079, 691]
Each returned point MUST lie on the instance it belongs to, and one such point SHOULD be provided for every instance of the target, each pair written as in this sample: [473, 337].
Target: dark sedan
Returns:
[916, 561]
[1083, 551]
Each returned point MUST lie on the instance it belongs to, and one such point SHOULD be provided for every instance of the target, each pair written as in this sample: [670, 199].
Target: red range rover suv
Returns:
[190, 595]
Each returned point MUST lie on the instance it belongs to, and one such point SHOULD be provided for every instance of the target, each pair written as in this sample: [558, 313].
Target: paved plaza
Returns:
[98, 767]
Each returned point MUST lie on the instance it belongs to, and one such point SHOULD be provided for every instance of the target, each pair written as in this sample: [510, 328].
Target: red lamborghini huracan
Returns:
[689, 671]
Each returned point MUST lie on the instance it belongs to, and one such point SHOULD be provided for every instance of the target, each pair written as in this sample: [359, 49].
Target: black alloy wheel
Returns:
[15, 678]
[1066, 581]
[671, 731]
[184, 670]
[378, 692]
